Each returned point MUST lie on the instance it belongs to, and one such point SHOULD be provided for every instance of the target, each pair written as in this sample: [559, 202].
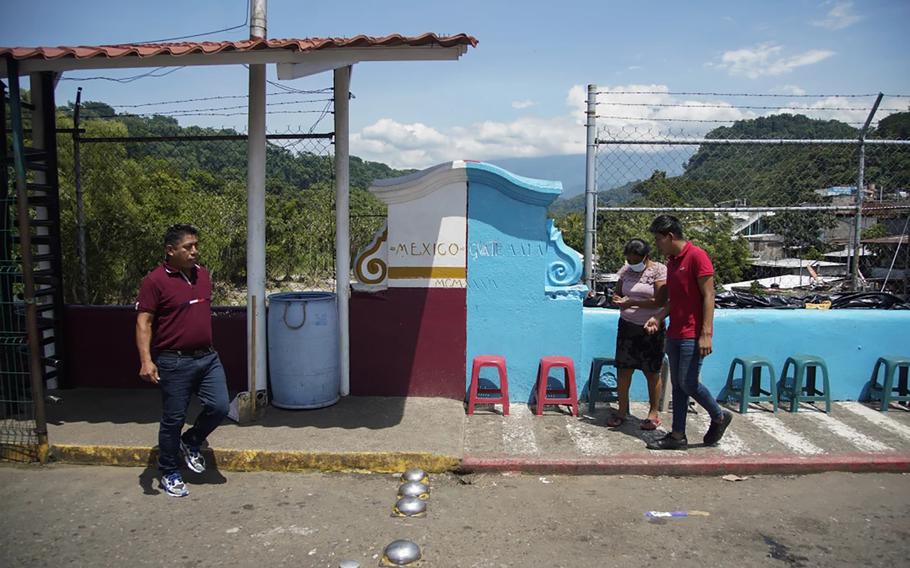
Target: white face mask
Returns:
[638, 267]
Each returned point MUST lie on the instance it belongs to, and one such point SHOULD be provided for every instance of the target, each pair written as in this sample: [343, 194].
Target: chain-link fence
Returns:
[134, 187]
[772, 198]
[19, 440]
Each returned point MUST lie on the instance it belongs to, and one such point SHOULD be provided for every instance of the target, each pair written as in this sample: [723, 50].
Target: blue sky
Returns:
[519, 93]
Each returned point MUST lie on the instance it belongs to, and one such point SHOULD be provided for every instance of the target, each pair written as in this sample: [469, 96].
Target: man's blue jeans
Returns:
[685, 363]
[180, 379]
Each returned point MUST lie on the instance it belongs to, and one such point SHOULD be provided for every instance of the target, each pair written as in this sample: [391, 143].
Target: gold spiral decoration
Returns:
[374, 264]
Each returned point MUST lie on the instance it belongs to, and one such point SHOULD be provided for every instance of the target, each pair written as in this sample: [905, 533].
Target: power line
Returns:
[325, 112]
[245, 23]
[125, 79]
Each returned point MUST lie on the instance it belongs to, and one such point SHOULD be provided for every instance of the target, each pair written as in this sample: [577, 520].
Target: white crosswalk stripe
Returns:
[854, 436]
[733, 445]
[876, 417]
[590, 440]
[774, 427]
[518, 431]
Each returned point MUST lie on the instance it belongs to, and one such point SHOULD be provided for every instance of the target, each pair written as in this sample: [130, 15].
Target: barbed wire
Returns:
[223, 97]
[178, 111]
[712, 94]
[190, 112]
[701, 120]
[748, 107]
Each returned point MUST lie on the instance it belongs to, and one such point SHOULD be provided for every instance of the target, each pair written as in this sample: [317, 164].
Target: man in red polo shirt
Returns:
[174, 308]
[690, 292]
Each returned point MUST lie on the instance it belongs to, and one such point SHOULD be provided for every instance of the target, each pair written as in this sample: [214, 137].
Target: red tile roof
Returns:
[210, 47]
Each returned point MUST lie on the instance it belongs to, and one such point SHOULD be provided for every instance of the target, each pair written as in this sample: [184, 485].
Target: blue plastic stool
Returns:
[893, 364]
[595, 389]
[801, 387]
[750, 382]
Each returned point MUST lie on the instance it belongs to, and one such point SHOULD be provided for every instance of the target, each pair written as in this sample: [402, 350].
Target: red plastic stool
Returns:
[502, 391]
[565, 395]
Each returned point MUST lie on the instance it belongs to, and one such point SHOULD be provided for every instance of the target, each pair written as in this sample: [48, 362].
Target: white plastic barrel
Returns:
[303, 349]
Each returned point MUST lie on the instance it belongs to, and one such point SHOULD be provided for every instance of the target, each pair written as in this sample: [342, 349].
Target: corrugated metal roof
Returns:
[211, 47]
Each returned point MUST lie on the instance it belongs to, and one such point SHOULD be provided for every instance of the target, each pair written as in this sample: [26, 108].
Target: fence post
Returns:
[80, 207]
[590, 185]
[860, 185]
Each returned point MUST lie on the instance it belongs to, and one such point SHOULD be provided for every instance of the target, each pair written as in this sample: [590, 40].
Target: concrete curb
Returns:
[263, 460]
[677, 464]
[393, 462]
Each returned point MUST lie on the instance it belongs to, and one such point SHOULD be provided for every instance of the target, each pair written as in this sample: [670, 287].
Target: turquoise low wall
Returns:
[849, 340]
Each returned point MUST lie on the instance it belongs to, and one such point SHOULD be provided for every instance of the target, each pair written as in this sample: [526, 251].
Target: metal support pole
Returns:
[590, 185]
[342, 87]
[860, 190]
[255, 216]
[258, 10]
[80, 206]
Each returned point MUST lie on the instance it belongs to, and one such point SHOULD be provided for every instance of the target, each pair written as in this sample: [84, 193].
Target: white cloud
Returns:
[831, 108]
[791, 90]
[838, 17]
[767, 59]
[645, 111]
[418, 146]
[634, 67]
[527, 103]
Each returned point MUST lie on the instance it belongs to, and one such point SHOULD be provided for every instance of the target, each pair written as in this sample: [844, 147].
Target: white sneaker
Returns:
[192, 457]
[173, 485]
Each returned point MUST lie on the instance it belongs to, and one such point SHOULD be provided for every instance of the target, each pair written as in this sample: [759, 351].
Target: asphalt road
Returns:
[106, 516]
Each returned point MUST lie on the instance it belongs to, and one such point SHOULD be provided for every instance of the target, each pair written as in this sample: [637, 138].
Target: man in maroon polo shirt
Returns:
[690, 304]
[175, 322]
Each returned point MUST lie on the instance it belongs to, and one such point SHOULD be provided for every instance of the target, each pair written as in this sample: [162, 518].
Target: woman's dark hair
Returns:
[666, 224]
[175, 234]
[637, 247]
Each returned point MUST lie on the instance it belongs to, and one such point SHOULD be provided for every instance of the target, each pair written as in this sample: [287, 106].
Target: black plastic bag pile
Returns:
[741, 300]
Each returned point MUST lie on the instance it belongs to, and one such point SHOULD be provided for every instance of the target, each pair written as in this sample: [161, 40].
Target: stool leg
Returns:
[746, 389]
[542, 373]
[728, 386]
[873, 381]
[887, 387]
[570, 386]
[799, 384]
[827, 387]
[504, 389]
[593, 386]
[472, 395]
[782, 383]
[774, 396]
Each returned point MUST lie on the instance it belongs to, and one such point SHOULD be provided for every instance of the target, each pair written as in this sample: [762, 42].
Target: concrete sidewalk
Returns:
[119, 427]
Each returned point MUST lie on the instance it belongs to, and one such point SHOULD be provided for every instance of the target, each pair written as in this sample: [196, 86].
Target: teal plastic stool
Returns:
[894, 365]
[802, 387]
[750, 389]
[594, 386]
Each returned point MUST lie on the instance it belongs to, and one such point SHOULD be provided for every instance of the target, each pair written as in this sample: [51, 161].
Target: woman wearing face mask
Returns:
[640, 292]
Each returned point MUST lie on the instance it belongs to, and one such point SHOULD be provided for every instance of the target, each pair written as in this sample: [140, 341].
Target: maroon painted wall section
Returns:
[409, 342]
[100, 346]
